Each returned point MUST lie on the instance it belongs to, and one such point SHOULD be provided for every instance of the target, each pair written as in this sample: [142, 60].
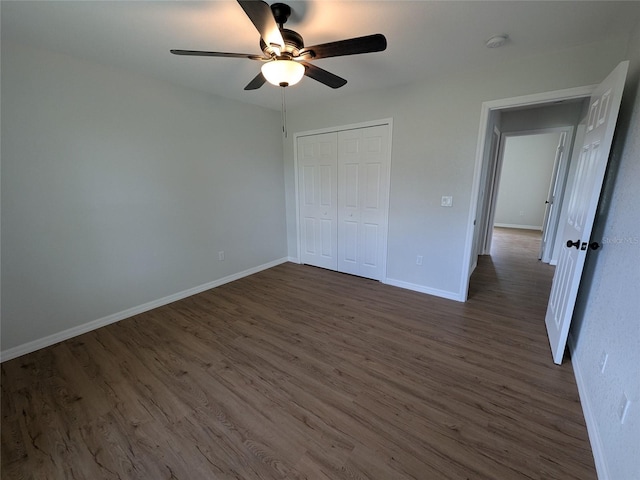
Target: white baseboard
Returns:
[515, 225]
[589, 417]
[116, 317]
[293, 259]
[422, 289]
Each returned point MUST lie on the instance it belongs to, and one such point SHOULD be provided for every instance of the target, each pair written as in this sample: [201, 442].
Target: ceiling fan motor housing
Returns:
[293, 43]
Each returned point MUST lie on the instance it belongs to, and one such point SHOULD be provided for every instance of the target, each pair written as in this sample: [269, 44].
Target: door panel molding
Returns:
[583, 204]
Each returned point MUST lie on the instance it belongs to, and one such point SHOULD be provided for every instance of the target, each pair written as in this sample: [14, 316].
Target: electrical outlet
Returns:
[446, 201]
[603, 361]
[419, 260]
[220, 256]
[623, 408]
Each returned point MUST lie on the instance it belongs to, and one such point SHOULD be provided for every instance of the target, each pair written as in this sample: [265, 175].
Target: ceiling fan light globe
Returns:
[283, 72]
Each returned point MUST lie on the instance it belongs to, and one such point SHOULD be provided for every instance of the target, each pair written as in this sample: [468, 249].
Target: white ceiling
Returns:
[426, 39]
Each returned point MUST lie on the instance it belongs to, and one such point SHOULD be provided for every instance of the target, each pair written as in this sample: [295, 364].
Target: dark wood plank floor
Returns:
[298, 372]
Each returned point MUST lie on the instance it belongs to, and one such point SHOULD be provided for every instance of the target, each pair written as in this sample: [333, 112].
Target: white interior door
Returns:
[317, 199]
[363, 178]
[491, 196]
[583, 202]
[550, 211]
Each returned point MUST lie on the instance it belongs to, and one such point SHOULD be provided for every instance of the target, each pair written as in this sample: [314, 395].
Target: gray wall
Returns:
[118, 190]
[537, 118]
[524, 179]
[607, 316]
[435, 134]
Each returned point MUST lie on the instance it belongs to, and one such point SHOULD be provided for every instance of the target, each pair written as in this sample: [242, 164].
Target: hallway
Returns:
[512, 276]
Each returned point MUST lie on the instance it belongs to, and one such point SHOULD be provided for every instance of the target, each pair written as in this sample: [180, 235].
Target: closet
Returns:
[343, 199]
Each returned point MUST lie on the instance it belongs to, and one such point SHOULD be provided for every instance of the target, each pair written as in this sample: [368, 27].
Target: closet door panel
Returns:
[363, 177]
[371, 233]
[317, 197]
[343, 197]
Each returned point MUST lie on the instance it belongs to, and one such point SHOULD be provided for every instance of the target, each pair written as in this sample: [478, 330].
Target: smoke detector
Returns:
[497, 41]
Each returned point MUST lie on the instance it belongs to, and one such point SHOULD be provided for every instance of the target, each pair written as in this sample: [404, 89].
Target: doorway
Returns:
[525, 113]
[528, 186]
[598, 120]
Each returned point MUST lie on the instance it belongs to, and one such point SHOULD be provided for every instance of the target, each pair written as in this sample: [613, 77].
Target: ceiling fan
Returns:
[285, 58]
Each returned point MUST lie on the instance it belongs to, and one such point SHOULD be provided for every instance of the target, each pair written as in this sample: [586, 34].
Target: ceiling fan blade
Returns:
[256, 83]
[351, 46]
[260, 14]
[322, 76]
[199, 53]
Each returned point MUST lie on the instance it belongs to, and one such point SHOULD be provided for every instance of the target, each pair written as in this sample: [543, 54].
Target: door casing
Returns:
[488, 108]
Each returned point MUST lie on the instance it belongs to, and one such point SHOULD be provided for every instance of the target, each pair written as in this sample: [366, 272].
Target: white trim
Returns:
[293, 259]
[544, 97]
[296, 193]
[494, 166]
[487, 107]
[589, 417]
[474, 265]
[475, 188]
[385, 234]
[515, 225]
[539, 131]
[422, 289]
[116, 317]
[490, 180]
[341, 128]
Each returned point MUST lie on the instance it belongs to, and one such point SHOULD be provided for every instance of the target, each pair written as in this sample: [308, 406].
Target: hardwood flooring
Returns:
[301, 373]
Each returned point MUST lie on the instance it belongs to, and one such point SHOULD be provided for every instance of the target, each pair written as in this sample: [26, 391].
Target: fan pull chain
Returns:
[284, 114]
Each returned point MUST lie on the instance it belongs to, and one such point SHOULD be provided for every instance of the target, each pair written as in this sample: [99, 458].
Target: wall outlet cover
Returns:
[446, 201]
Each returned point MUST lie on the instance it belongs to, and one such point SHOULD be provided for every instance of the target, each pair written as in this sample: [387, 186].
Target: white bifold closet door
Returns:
[318, 200]
[343, 200]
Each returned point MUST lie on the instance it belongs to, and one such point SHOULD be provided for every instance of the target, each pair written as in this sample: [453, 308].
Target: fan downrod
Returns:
[281, 13]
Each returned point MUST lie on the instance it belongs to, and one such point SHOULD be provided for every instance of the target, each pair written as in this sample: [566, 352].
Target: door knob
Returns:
[573, 244]
[594, 245]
